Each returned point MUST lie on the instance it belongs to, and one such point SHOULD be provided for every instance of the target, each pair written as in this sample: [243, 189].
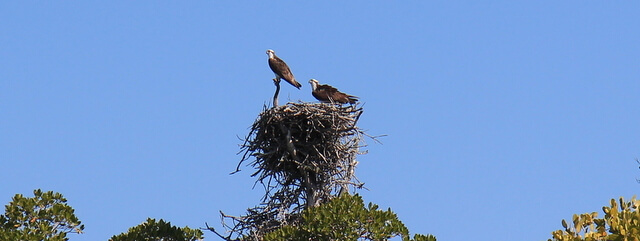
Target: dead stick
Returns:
[276, 81]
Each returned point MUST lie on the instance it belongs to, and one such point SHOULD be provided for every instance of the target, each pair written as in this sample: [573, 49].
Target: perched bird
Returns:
[281, 69]
[329, 94]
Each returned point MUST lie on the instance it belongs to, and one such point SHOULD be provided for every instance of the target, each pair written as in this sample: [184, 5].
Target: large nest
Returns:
[304, 154]
[305, 143]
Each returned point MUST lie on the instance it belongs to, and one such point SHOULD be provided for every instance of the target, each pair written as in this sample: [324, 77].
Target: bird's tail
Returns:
[352, 99]
[296, 84]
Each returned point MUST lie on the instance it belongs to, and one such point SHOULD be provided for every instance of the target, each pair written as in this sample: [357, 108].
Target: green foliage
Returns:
[46, 216]
[161, 230]
[621, 222]
[346, 218]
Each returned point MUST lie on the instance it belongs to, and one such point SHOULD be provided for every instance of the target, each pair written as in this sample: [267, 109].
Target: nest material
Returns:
[313, 146]
[304, 154]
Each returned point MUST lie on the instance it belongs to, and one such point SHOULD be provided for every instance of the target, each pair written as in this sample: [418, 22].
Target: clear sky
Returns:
[502, 117]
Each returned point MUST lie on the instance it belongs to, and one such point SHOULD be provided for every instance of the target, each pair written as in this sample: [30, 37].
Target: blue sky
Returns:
[502, 118]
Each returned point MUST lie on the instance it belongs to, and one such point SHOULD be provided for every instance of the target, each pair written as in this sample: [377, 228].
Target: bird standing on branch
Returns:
[282, 71]
[280, 68]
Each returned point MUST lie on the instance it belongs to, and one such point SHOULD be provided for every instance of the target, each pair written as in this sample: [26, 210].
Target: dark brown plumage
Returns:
[329, 94]
[280, 68]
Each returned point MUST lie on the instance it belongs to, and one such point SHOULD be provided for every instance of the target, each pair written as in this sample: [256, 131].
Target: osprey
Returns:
[281, 69]
[329, 94]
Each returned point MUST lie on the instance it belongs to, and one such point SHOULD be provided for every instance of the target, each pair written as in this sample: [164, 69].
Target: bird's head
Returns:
[314, 83]
[270, 52]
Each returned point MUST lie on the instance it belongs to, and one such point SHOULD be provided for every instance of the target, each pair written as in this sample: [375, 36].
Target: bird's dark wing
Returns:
[279, 67]
[321, 95]
[327, 88]
[328, 93]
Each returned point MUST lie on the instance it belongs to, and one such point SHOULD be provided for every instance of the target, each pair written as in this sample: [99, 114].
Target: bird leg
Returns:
[276, 82]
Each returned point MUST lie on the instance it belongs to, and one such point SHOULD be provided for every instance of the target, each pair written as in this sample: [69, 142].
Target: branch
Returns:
[228, 238]
[276, 81]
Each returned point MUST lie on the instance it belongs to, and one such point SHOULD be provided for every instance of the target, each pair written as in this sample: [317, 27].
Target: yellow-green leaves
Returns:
[621, 222]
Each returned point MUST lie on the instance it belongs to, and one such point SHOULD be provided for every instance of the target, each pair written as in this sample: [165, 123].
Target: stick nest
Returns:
[304, 154]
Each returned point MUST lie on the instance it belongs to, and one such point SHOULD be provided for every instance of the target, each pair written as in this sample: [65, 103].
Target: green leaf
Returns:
[345, 218]
[46, 216]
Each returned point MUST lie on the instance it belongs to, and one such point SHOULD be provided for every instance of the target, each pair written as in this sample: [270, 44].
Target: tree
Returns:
[346, 218]
[161, 230]
[46, 216]
[621, 222]
[305, 158]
